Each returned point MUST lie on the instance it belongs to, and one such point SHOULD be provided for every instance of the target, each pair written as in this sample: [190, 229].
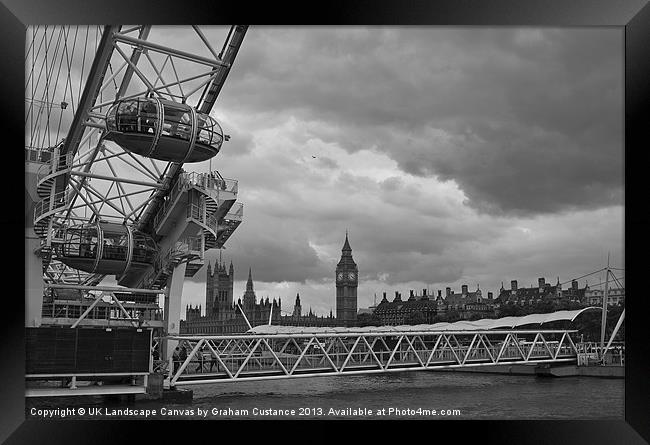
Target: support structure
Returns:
[33, 280]
[604, 315]
[214, 359]
[611, 339]
[172, 315]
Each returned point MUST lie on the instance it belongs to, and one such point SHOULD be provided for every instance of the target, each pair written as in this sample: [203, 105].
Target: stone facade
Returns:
[594, 297]
[427, 309]
[347, 282]
[544, 292]
[223, 316]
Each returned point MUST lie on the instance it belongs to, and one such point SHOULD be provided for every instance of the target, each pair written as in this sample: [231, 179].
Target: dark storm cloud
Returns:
[526, 121]
[295, 217]
[399, 135]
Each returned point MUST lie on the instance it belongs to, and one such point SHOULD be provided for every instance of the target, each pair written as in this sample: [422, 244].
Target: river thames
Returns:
[407, 395]
[489, 396]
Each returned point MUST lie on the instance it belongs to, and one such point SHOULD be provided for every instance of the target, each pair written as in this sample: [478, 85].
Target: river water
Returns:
[475, 395]
[407, 395]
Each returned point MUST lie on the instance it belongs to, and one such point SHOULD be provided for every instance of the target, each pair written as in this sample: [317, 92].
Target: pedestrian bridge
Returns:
[276, 352]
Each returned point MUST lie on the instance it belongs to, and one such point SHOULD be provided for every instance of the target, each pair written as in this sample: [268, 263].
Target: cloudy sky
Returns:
[451, 155]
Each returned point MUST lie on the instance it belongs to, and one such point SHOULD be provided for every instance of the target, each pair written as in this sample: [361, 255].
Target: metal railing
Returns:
[41, 155]
[176, 189]
[590, 353]
[42, 208]
[104, 311]
[211, 181]
[65, 159]
[195, 211]
[274, 356]
[236, 213]
[205, 181]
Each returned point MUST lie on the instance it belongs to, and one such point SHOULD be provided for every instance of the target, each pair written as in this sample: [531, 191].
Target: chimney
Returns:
[574, 285]
[541, 283]
[489, 295]
[439, 293]
[513, 285]
[464, 289]
[448, 290]
[424, 292]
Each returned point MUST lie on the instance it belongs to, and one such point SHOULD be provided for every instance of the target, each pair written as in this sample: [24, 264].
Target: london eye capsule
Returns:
[106, 248]
[163, 130]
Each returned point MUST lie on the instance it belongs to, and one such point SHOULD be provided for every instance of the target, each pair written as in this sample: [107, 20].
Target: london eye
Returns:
[116, 219]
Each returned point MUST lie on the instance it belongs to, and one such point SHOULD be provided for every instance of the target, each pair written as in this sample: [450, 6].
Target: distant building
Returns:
[425, 309]
[297, 308]
[544, 292]
[415, 310]
[347, 282]
[615, 296]
[223, 316]
[574, 294]
[468, 305]
[310, 319]
[219, 289]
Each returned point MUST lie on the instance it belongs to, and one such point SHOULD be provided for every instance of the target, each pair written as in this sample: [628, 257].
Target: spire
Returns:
[249, 283]
[346, 245]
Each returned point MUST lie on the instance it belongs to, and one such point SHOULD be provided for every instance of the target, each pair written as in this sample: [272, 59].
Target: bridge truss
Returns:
[216, 359]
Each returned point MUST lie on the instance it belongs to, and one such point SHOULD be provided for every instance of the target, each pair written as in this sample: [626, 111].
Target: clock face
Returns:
[340, 276]
[351, 275]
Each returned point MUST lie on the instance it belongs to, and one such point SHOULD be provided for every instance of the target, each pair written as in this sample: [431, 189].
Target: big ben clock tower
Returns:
[347, 281]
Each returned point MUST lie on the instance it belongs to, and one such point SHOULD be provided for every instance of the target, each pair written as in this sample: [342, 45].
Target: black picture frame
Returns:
[632, 15]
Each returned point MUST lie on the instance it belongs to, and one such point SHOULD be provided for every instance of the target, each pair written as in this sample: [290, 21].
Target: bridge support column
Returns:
[33, 281]
[173, 308]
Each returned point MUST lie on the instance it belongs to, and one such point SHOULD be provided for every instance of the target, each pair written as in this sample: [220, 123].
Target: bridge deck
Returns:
[212, 359]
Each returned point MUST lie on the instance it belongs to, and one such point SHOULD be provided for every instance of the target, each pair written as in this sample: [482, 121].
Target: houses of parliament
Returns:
[224, 316]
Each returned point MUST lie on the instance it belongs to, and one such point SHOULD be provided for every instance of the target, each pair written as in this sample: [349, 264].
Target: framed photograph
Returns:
[420, 213]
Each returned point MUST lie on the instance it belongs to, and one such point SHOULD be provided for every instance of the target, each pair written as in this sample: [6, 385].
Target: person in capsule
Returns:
[148, 117]
[129, 117]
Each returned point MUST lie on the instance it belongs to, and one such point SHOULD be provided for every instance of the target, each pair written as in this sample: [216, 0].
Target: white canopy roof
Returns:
[478, 325]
